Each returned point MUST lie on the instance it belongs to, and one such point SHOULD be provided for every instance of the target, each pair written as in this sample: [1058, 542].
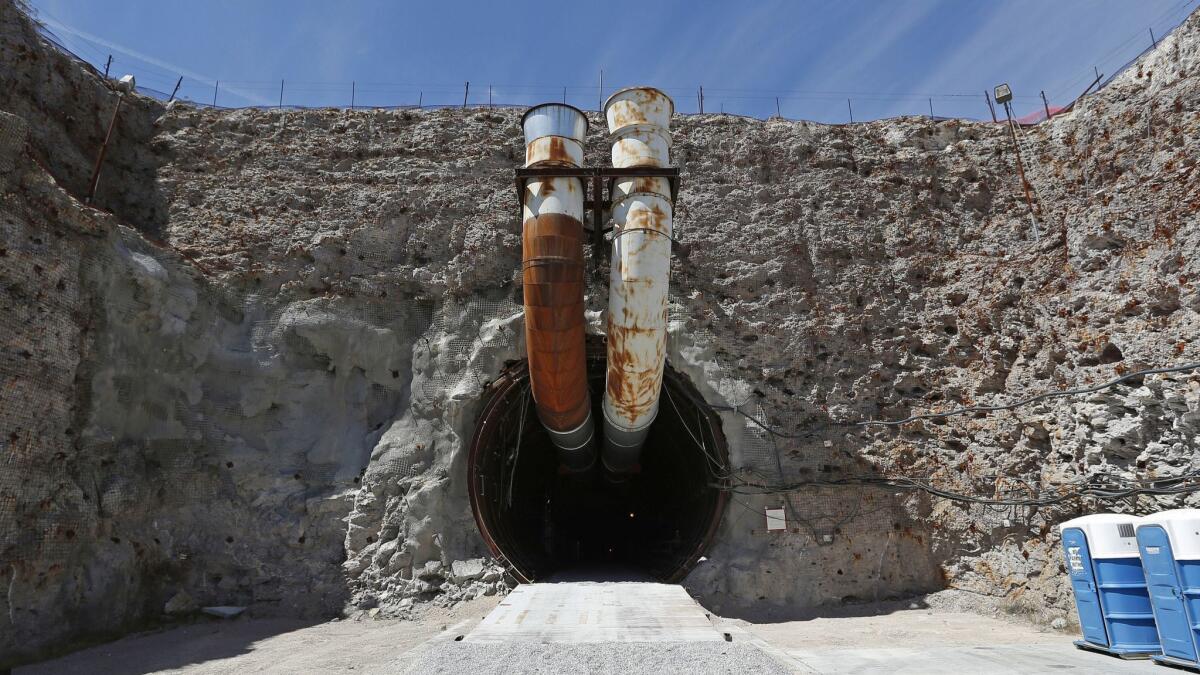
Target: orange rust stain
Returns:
[625, 115]
[646, 184]
[548, 151]
[553, 279]
[648, 97]
[632, 153]
[654, 218]
[558, 151]
[632, 384]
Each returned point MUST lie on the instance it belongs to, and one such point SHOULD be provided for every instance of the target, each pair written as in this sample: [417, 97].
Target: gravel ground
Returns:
[888, 625]
[267, 646]
[851, 636]
[603, 657]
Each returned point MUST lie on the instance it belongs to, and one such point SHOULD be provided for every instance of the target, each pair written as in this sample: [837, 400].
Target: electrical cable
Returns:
[970, 409]
[626, 230]
[1185, 484]
[512, 471]
[1101, 487]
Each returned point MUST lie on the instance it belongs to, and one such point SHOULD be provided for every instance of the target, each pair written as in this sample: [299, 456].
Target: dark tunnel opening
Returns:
[543, 522]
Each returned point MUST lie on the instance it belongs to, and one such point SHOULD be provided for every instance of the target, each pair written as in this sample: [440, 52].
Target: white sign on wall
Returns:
[776, 520]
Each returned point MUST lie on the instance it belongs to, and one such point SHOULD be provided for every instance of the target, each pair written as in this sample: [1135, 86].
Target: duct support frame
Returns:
[598, 184]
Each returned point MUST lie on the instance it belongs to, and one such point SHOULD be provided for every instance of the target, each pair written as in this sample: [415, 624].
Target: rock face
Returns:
[70, 108]
[180, 603]
[251, 376]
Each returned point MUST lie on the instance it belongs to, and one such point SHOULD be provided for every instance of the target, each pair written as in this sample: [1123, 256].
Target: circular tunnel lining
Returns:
[542, 521]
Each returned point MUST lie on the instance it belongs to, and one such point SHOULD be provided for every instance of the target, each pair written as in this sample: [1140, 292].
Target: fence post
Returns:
[216, 86]
[777, 113]
[281, 94]
[466, 90]
[601, 108]
[420, 99]
[1045, 104]
[988, 97]
[353, 87]
[489, 96]
[851, 108]
[106, 65]
[931, 106]
[1152, 38]
[701, 99]
[176, 89]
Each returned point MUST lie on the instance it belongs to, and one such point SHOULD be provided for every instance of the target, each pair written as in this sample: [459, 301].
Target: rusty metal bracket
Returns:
[112, 124]
[597, 187]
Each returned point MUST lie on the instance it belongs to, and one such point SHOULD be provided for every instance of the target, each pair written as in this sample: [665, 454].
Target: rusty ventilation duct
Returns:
[537, 504]
[553, 279]
[638, 120]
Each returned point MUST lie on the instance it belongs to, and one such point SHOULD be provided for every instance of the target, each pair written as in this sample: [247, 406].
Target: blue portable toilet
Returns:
[1110, 588]
[1169, 543]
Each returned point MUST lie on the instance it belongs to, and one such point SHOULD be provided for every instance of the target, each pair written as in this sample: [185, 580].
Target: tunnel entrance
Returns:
[542, 522]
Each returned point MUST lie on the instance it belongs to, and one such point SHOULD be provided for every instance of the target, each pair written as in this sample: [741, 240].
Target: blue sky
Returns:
[888, 56]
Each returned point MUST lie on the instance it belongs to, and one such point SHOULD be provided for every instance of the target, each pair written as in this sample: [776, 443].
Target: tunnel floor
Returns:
[548, 524]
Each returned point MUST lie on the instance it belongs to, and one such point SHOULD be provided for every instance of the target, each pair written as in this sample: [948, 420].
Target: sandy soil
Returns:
[282, 646]
[268, 645]
[917, 628]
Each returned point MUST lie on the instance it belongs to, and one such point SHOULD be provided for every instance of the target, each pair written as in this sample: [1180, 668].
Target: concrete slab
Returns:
[623, 658]
[977, 660]
[578, 612]
[899, 638]
[629, 628]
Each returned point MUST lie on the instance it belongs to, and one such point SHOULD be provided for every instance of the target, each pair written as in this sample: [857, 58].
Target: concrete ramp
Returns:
[595, 627]
[588, 611]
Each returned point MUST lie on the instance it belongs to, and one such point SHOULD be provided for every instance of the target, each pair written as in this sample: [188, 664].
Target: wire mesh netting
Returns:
[31, 527]
[463, 340]
[40, 321]
[14, 132]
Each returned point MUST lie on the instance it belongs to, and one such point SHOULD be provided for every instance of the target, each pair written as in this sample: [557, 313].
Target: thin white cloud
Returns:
[874, 36]
[151, 60]
[749, 43]
[1016, 41]
[696, 49]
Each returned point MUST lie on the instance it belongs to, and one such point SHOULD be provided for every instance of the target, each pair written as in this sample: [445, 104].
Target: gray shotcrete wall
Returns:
[250, 377]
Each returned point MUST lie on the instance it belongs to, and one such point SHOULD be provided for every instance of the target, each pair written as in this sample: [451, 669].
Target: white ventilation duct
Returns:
[638, 119]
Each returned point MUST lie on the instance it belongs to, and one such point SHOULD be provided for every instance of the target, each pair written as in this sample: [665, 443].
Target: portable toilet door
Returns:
[1083, 582]
[1169, 543]
[1102, 554]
